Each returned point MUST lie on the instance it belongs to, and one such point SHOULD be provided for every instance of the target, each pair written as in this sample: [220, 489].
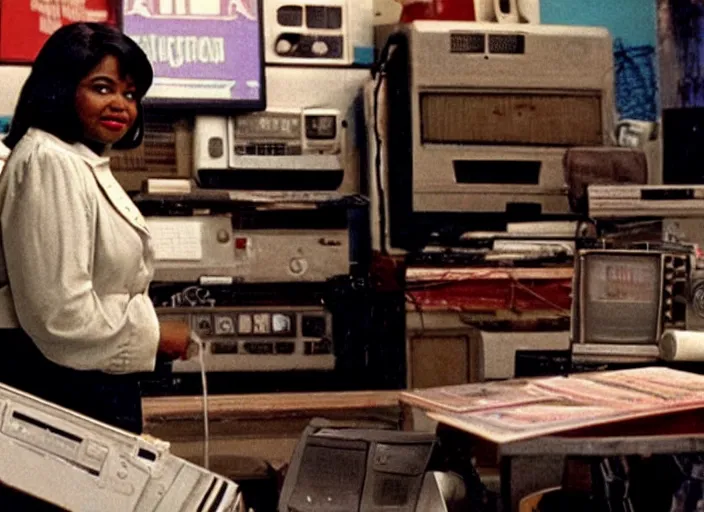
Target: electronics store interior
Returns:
[431, 255]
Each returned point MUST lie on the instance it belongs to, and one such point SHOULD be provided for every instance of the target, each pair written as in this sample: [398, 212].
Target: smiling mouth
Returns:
[112, 124]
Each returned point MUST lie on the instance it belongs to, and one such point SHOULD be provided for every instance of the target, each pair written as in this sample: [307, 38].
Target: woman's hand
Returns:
[174, 339]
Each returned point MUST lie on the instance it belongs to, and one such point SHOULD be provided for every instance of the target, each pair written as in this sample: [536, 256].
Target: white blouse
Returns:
[75, 259]
[4, 153]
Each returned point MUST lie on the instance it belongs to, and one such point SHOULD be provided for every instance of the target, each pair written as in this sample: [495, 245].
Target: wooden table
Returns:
[250, 434]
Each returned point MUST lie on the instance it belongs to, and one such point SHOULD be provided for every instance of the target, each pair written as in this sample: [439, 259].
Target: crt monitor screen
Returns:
[331, 478]
[342, 469]
[620, 298]
[204, 53]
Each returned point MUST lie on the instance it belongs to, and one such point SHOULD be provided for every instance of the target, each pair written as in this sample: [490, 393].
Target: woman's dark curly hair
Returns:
[48, 97]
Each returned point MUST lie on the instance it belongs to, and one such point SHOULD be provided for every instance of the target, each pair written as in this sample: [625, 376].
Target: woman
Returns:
[75, 259]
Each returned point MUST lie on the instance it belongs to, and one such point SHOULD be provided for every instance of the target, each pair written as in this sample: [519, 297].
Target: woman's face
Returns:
[106, 103]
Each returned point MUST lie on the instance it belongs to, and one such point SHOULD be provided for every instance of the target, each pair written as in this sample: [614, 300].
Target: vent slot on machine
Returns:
[165, 152]
[674, 292]
[469, 118]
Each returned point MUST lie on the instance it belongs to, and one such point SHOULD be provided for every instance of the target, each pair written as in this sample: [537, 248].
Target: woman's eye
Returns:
[102, 89]
[131, 95]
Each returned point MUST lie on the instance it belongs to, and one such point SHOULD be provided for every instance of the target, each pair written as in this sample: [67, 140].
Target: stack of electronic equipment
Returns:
[480, 126]
[639, 293]
[474, 124]
[254, 214]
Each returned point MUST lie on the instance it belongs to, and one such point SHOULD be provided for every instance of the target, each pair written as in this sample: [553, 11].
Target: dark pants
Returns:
[112, 399]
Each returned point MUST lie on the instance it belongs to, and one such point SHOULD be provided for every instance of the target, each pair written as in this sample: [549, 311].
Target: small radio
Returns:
[280, 139]
[319, 32]
[306, 139]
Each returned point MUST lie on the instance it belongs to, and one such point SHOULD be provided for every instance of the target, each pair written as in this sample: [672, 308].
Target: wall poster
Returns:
[26, 24]
[205, 53]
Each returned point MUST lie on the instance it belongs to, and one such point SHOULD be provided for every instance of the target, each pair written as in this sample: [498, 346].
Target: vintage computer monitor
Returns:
[623, 300]
[337, 469]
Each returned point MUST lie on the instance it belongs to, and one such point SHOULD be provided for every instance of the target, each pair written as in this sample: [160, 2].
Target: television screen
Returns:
[207, 53]
[620, 298]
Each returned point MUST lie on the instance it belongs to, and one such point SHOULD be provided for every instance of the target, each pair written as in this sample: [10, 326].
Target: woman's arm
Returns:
[49, 239]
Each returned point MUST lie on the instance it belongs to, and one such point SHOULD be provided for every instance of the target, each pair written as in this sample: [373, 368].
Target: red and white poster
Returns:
[26, 24]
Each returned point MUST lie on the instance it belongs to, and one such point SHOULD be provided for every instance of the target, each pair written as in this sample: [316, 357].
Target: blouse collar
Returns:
[88, 155]
[100, 168]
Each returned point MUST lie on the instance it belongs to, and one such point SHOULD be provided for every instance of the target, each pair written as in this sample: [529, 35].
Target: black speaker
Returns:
[683, 146]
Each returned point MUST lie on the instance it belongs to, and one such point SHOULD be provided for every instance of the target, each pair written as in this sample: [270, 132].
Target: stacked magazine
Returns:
[513, 410]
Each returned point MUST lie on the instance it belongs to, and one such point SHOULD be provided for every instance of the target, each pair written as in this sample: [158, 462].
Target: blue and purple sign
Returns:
[203, 52]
